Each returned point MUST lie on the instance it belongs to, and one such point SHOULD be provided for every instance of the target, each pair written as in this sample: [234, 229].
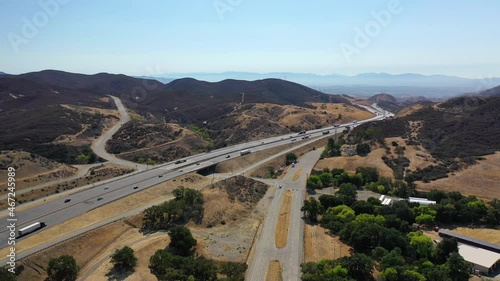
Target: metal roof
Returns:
[470, 240]
[478, 256]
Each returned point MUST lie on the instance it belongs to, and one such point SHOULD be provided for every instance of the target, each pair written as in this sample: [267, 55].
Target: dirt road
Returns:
[99, 146]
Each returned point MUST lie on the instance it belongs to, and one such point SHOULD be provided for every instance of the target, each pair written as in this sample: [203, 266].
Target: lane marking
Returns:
[297, 174]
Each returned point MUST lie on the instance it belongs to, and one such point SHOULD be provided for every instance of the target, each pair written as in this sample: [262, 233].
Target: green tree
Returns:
[326, 179]
[478, 210]
[82, 159]
[360, 266]
[181, 241]
[460, 270]
[369, 174]
[362, 207]
[425, 219]
[444, 249]
[312, 208]
[348, 189]
[392, 259]
[438, 273]
[234, 271]
[290, 158]
[124, 259]
[411, 275]
[150, 162]
[5, 275]
[421, 243]
[390, 274]
[63, 268]
[363, 149]
[314, 182]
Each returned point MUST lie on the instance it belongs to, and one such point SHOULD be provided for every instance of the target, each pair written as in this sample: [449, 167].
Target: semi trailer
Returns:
[245, 152]
[30, 228]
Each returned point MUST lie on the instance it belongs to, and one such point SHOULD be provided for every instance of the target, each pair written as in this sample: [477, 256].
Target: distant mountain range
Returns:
[2, 73]
[365, 84]
[184, 100]
[493, 92]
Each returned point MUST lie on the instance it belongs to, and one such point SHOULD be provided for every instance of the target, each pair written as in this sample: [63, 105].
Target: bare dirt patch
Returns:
[480, 180]
[231, 199]
[281, 234]
[350, 163]
[318, 244]
[230, 242]
[274, 272]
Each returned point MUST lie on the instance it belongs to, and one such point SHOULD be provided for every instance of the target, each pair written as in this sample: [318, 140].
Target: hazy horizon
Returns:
[161, 37]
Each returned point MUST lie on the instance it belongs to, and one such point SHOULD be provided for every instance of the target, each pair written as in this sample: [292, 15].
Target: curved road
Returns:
[99, 146]
[58, 211]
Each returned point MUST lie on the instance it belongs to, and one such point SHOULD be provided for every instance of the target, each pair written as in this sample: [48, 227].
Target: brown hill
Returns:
[102, 83]
[31, 116]
[382, 97]
[188, 100]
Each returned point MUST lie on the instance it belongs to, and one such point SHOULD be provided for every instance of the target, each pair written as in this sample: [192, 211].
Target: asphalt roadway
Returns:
[291, 256]
[57, 211]
[99, 146]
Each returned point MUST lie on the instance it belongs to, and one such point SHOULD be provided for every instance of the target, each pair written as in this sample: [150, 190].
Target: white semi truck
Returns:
[30, 228]
[245, 152]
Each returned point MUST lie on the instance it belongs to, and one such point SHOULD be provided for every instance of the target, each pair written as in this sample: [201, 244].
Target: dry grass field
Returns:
[318, 244]
[409, 110]
[418, 156]
[481, 180]
[31, 169]
[78, 247]
[274, 271]
[281, 234]
[486, 234]
[374, 159]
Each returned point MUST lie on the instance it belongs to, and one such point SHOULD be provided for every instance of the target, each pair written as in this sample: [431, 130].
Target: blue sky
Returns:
[153, 37]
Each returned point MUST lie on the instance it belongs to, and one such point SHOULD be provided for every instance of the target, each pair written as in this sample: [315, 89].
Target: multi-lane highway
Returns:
[58, 211]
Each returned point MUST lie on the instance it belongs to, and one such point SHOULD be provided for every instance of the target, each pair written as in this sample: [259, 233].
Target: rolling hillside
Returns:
[493, 92]
[34, 111]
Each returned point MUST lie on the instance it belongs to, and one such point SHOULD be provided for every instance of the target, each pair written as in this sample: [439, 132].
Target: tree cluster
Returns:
[337, 177]
[186, 206]
[382, 236]
[332, 149]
